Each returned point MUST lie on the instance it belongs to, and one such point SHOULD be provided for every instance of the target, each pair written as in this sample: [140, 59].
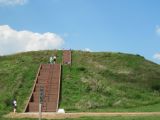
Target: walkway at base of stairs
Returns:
[82, 114]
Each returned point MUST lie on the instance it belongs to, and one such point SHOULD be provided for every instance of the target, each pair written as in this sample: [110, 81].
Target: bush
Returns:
[83, 69]
[156, 87]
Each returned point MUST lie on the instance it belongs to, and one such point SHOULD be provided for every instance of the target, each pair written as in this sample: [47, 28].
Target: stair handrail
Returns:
[59, 86]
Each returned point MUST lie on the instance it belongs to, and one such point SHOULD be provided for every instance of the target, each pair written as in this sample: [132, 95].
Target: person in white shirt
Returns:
[51, 59]
[14, 105]
[54, 59]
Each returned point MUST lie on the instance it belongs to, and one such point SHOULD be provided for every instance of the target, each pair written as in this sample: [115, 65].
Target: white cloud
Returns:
[157, 56]
[88, 50]
[12, 2]
[12, 41]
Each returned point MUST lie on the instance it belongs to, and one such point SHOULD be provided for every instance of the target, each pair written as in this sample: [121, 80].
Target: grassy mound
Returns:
[94, 82]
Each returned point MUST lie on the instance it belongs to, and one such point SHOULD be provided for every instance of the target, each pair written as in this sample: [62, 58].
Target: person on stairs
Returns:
[54, 59]
[51, 60]
[14, 105]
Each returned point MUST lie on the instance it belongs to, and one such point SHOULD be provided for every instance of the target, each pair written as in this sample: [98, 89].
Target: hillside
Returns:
[95, 82]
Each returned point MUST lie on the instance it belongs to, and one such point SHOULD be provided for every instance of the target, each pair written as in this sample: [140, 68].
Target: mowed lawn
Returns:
[98, 118]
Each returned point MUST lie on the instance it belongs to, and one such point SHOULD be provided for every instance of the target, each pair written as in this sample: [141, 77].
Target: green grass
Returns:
[99, 118]
[110, 82]
[116, 118]
[99, 82]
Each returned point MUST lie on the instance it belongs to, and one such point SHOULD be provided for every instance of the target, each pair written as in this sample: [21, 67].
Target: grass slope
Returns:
[94, 82]
[17, 74]
[110, 82]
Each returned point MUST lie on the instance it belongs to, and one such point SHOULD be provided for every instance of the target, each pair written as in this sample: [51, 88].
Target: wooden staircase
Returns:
[67, 57]
[48, 78]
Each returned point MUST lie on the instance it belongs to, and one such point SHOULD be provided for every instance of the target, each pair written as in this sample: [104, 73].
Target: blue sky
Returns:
[129, 26]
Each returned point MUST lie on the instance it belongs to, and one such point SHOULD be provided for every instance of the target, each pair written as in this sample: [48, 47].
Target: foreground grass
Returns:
[116, 118]
[101, 118]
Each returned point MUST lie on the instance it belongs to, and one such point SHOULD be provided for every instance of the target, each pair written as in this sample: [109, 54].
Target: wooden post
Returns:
[41, 96]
